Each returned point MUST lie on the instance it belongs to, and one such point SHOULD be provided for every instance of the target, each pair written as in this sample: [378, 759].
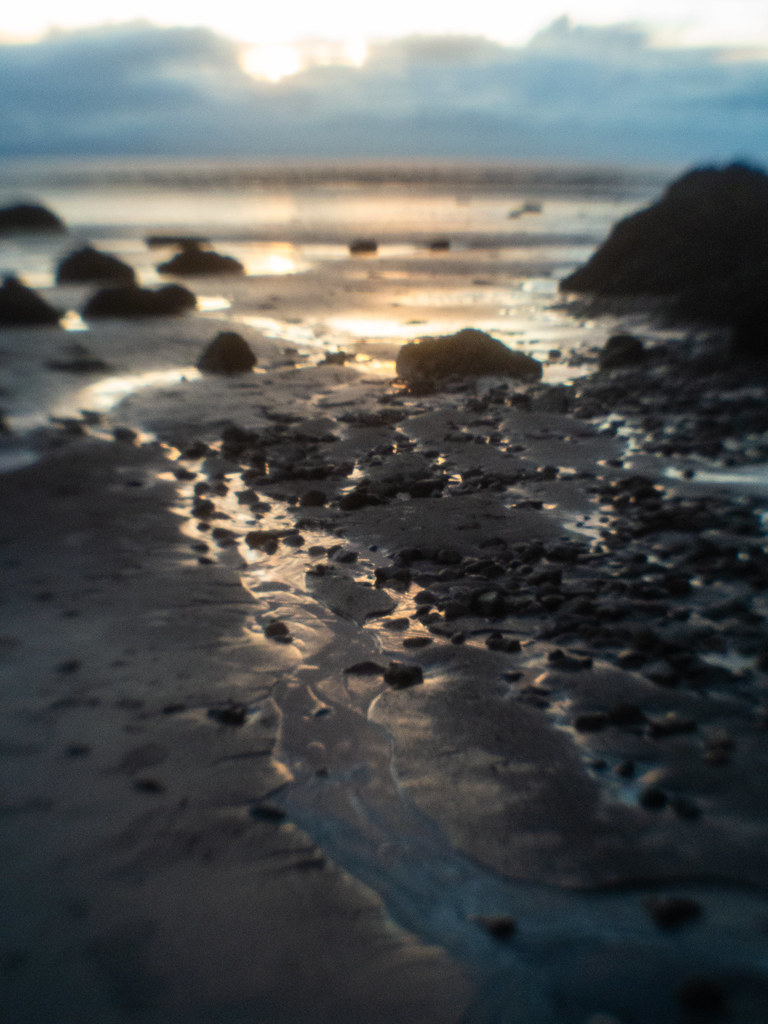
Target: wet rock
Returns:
[498, 926]
[235, 714]
[195, 261]
[673, 911]
[469, 352]
[439, 245]
[704, 997]
[365, 668]
[703, 246]
[621, 350]
[278, 630]
[23, 217]
[229, 352]
[569, 662]
[400, 675]
[265, 810]
[131, 300]
[88, 264]
[671, 724]
[363, 246]
[652, 798]
[21, 306]
[591, 721]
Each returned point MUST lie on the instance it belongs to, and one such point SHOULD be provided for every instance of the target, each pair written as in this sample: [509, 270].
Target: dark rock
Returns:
[499, 926]
[181, 241]
[703, 247]
[673, 911]
[365, 668]
[227, 353]
[194, 261]
[236, 714]
[591, 721]
[21, 306]
[439, 245]
[265, 810]
[653, 799]
[621, 350]
[361, 246]
[704, 997]
[469, 352]
[671, 724]
[277, 630]
[400, 675]
[28, 217]
[88, 264]
[131, 300]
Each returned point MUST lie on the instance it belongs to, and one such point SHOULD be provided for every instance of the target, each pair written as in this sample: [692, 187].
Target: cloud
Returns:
[573, 93]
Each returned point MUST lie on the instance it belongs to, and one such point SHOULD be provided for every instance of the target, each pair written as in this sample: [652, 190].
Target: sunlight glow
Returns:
[272, 62]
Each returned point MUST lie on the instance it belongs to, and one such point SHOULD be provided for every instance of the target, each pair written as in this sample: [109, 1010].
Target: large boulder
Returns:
[703, 247]
[194, 260]
[21, 306]
[88, 264]
[227, 353]
[469, 352]
[28, 217]
[130, 300]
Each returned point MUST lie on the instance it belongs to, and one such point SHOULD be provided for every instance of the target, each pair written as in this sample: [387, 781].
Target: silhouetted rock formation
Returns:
[21, 306]
[227, 353]
[703, 247]
[180, 241]
[194, 261]
[469, 352]
[88, 264]
[130, 300]
[28, 217]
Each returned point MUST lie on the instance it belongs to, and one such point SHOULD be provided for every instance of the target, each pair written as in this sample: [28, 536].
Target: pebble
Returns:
[672, 911]
[236, 714]
[400, 675]
[499, 926]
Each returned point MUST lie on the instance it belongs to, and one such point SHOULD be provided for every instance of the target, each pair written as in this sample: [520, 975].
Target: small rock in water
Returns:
[227, 353]
[193, 261]
[400, 675]
[28, 217]
[21, 306]
[277, 630]
[88, 264]
[499, 926]
[236, 714]
[360, 246]
[673, 911]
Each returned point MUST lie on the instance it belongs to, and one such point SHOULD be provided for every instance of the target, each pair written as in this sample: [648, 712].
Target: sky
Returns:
[656, 82]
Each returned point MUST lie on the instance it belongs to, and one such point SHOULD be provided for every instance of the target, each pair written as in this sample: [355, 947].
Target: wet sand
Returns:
[221, 801]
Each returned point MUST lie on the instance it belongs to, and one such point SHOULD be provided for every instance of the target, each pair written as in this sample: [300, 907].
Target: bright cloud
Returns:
[584, 93]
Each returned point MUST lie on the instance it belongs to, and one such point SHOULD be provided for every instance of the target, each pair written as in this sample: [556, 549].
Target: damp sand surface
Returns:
[382, 705]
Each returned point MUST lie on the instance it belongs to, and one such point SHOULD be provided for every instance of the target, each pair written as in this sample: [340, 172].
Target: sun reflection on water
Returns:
[105, 394]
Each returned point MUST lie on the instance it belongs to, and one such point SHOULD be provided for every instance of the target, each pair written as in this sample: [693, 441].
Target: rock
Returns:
[195, 261]
[360, 246]
[439, 245]
[498, 926]
[180, 241]
[672, 911]
[235, 714]
[621, 350]
[227, 353]
[21, 306]
[469, 352]
[131, 300]
[400, 675]
[89, 264]
[702, 247]
[28, 217]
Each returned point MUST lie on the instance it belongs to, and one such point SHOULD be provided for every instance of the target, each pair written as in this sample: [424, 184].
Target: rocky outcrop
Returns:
[131, 300]
[195, 261]
[88, 264]
[21, 306]
[702, 247]
[28, 217]
[469, 352]
[227, 353]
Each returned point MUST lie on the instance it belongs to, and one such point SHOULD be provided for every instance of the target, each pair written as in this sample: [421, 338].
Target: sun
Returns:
[272, 61]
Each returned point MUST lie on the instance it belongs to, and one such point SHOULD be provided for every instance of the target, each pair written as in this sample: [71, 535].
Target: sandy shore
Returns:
[220, 801]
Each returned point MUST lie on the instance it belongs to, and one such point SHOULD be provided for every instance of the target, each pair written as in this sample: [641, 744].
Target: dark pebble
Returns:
[400, 676]
[149, 786]
[702, 996]
[653, 799]
[234, 715]
[592, 721]
[276, 629]
[672, 911]
[267, 811]
[69, 666]
[500, 926]
[365, 668]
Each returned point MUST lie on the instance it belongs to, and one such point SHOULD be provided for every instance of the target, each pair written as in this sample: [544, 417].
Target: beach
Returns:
[330, 696]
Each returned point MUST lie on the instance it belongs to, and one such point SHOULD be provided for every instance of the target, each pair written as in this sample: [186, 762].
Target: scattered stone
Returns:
[703, 996]
[591, 721]
[131, 300]
[195, 261]
[22, 307]
[88, 264]
[265, 810]
[149, 786]
[673, 911]
[670, 724]
[277, 630]
[469, 352]
[400, 675]
[569, 662]
[22, 217]
[235, 714]
[621, 350]
[439, 245]
[498, 926]
[365, 668]
[313, 499]
[363, 246]
[653, 799]
[227, 353]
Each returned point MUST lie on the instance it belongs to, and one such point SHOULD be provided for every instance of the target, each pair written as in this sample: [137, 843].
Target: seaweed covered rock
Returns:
[703, 247]
[193, 260]
[21, 306]
[468, 352]
[88, 264]
[227, 353]
[131, 300]
[28, 217]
